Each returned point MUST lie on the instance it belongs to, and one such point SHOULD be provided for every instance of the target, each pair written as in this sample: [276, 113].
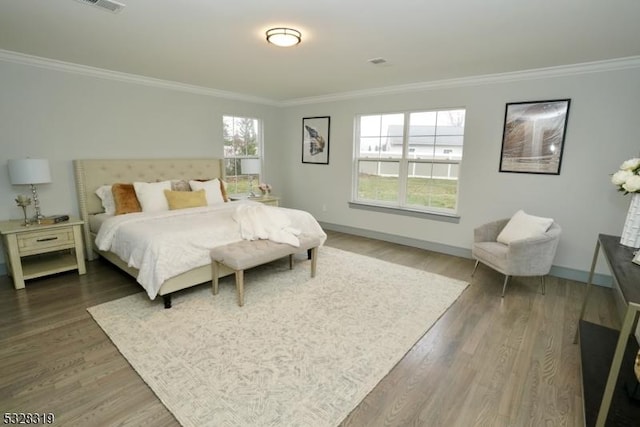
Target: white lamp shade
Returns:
[250, 166]
[29, 171]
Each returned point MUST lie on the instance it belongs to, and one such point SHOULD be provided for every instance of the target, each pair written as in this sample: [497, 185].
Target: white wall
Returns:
[603, 131]
[63, 116]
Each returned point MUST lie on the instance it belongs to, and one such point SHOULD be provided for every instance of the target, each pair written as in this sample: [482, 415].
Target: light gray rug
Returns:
[301, 352]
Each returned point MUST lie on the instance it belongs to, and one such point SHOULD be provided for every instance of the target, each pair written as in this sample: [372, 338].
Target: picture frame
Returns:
[533, 137]
[315, 140]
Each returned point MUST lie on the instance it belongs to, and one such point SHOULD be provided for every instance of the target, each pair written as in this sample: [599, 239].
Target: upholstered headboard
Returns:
[92, 173]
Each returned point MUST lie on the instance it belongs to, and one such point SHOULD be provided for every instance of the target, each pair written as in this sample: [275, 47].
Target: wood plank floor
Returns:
[487, 362]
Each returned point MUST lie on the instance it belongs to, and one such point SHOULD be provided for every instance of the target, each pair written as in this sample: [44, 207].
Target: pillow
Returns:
[223, 189]
[180, 185]
[185, 199]
[151, 195]
[213, 190]
[125, 200]
[522, 226]
[108, 204]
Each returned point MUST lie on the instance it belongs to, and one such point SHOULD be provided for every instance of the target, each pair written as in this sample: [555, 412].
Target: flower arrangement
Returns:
[23, 201]
[264, 188]
[628, 177]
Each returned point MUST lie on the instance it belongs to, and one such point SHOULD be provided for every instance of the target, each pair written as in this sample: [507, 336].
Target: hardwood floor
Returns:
[488, 361]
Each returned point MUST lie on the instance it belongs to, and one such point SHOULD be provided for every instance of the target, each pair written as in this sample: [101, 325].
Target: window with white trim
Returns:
[409, 160]
[242, 153]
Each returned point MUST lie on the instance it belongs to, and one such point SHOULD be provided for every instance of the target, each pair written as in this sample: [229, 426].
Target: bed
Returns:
[91, 174]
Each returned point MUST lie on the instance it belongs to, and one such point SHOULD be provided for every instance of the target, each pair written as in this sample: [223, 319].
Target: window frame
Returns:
[259, 141]
[404, 164]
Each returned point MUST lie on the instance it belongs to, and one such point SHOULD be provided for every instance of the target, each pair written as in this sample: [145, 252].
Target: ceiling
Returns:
[221, 44]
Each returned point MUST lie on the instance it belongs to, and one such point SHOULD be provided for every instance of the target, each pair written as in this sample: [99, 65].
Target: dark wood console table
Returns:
[626, 276]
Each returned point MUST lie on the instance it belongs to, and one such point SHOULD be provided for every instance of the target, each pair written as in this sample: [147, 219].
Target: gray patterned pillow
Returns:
[180, 185]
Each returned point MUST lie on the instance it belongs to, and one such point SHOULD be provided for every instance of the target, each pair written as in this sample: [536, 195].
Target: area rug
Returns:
[301, 352]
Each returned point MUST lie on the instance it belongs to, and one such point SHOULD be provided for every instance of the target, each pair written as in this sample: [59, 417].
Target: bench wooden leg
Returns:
[291, 262]
[314, 261]
[214, 276]
[240, 286]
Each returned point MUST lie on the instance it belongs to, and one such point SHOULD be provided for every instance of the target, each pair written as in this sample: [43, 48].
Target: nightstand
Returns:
[267, 200]
[40, 250]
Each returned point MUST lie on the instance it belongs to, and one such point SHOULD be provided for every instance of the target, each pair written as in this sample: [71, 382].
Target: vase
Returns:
[631, 230]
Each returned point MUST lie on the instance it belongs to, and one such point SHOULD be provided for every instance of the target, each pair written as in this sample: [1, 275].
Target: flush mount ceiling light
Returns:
[284, 37]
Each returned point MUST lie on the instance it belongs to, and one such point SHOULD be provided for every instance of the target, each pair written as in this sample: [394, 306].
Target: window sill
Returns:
[435, 216]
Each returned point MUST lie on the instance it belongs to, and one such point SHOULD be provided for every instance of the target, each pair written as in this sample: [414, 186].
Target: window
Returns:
[409, 160]
[242, 153]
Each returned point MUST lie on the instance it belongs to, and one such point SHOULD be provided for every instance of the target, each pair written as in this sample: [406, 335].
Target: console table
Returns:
[626, 276]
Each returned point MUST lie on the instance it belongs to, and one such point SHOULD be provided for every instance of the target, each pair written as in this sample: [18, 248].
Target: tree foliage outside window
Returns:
[409, 160]
[242, 140]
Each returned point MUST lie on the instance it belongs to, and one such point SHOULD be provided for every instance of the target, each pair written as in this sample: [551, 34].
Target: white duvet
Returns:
[162, 245]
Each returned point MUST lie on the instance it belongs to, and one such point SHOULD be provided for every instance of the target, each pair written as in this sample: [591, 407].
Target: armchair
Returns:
[531, 256]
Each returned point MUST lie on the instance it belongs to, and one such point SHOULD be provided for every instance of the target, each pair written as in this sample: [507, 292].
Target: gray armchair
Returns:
[527, 257]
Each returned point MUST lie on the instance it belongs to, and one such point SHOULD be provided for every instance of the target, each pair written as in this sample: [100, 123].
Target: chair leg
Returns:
[504, 287]
[543, 286]
[474, 268]
[214, 276]
[314, 261]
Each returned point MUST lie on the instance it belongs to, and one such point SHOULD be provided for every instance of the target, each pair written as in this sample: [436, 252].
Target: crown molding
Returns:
[539, 73]
[52, 64]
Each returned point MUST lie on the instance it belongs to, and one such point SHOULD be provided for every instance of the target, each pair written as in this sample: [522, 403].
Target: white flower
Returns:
[630, 164]
[627, 179]
[632, 184]
[621, 177]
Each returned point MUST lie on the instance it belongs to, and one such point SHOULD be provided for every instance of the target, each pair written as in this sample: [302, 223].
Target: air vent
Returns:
[110, 5]
[378, 61]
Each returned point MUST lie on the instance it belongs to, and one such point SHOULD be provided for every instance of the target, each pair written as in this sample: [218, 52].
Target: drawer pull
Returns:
[46, 239]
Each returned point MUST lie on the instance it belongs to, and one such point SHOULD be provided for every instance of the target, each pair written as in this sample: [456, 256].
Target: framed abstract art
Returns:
[533, 136]
[315, 140]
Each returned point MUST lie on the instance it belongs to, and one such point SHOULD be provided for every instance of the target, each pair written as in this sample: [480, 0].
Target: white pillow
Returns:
[211, 190]
[151, 195]
[522, 226]
[108, 203]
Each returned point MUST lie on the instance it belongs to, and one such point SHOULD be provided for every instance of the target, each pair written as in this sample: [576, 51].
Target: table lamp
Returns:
[250, 167]
[30, 172]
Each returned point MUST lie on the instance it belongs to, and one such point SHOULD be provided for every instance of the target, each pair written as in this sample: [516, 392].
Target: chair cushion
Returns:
[493, 254]
[522, 226]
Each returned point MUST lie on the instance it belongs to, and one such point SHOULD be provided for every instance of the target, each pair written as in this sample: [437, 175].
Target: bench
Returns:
[246, 254]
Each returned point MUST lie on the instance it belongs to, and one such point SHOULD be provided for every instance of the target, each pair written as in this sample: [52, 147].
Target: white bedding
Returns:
[162, 245]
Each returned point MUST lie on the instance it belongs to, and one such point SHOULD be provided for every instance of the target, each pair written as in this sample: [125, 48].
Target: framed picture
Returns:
[315, 140]
[533, 137]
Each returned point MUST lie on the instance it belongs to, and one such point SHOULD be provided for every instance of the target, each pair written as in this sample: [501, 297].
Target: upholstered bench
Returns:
[245, 254]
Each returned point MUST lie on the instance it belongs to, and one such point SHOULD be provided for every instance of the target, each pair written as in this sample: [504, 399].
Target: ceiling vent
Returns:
[377, 61]
[110, 5]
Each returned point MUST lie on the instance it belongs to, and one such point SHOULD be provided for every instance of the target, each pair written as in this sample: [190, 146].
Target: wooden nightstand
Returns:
[40, 250]
[267, 200]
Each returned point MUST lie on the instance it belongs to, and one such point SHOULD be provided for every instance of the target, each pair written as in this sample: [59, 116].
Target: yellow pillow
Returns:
[185, 199]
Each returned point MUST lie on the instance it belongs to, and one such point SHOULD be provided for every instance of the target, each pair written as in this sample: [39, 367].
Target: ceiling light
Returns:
[284, 37]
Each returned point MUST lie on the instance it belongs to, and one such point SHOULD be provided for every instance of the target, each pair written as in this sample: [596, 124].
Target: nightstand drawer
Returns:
[36, 242]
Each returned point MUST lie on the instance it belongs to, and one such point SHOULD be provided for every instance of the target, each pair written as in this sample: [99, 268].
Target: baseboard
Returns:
[556, 271]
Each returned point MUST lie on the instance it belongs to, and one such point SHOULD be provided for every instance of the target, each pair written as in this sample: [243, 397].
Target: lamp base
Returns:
[36, 203]
[26, 220]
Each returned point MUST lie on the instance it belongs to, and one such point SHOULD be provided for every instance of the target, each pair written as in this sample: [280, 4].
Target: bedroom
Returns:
[62, 112]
